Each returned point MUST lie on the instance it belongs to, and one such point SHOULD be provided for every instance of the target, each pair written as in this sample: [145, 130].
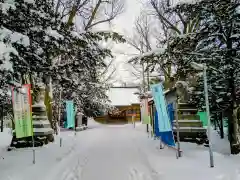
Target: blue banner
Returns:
[160, 104]
[171, 113]
[70, 114]
[163, 127]
[156, 129]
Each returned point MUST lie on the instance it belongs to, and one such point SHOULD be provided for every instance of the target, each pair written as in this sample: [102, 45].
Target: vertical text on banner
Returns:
[22, 109]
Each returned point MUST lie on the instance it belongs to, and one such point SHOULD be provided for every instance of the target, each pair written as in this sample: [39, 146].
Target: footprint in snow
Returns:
[138, 175]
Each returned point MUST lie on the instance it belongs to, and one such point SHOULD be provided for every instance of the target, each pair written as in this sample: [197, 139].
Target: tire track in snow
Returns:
[150, 172]
[75, 172]
[135, 174]
[70, 167]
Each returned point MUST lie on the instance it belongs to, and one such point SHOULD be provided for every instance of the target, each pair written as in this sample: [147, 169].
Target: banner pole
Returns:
[34, 156]
[74, 120]
[179, 154]
[33, 142]
[59, 118]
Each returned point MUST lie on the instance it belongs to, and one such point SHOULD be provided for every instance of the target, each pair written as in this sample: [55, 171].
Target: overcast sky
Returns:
[124, 24]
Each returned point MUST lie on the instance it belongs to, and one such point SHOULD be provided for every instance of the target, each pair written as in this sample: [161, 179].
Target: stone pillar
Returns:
[41, 124]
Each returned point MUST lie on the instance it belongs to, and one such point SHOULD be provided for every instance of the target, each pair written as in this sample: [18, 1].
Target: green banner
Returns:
[145, 112]
[22, 111]
[203, 118]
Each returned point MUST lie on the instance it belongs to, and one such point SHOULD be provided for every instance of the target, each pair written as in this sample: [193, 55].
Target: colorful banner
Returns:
[163, 126]
[70, 114]
[203, 118]
[145, 111]
[166, 137]
[171, 115]
[22, 109]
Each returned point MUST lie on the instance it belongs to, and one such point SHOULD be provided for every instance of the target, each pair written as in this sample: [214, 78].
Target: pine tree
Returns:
[77, 73]
[218, 47]
[45, 48]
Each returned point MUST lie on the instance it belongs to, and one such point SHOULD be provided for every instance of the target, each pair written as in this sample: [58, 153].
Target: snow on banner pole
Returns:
[208, 114]
[203, 67]
[163, 129]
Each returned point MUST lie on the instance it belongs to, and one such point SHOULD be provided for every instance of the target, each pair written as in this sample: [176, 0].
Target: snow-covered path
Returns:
[114, 153]
[117, 156]
[111, 152]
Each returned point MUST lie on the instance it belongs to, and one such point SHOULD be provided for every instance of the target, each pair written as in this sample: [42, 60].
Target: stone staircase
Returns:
[190, 127]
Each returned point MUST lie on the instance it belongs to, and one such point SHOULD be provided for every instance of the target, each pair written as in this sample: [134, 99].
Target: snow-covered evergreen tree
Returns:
[39, 46]
[218, 47]
[77, 74]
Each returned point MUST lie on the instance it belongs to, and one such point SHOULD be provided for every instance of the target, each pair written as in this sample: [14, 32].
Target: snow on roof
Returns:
[179, 2]
[120, 96]
[156, 51]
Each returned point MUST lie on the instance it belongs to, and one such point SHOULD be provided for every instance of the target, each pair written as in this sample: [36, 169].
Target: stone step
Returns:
[188, 111]
[188, 123]
[190, 129]
[40, 131]
[186, 106]
[188, 116]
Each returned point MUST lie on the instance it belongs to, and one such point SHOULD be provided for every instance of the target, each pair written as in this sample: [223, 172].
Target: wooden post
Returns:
[133, 120]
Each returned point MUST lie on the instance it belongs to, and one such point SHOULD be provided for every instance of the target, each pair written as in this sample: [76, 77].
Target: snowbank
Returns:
[115, 153]
[5, 139]
[17, 164]
[193, 165]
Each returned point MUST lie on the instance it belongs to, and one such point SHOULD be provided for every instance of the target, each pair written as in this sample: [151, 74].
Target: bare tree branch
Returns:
[110, 76]
[162, 17]
[107, 68]
[89, 13]
[112, 9]
[77, 5]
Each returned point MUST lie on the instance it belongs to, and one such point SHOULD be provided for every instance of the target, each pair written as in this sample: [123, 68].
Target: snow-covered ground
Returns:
[115, 153]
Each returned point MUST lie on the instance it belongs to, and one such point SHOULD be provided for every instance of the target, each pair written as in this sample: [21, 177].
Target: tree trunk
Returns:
[72, 15]
[232, 111]
[48, 104]
[221, 125]
[93, 15]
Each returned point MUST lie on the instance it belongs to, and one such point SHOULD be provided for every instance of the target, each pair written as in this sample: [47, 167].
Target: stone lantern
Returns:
[41, 126]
